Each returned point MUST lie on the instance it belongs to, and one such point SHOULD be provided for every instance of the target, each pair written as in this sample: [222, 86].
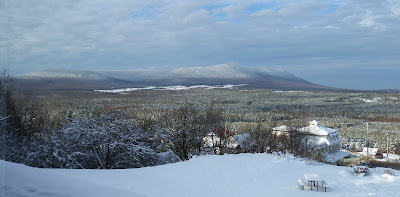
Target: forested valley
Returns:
[88, 129]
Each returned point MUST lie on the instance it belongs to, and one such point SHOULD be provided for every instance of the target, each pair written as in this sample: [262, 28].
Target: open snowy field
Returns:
[229, 175]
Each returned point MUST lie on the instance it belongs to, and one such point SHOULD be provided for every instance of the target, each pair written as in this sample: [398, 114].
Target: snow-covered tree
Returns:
[10, 129]
[108, 141]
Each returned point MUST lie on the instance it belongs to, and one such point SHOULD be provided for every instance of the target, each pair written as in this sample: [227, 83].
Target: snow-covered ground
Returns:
[288, 91]
[179, 87]
[227, 175]
[386, 157]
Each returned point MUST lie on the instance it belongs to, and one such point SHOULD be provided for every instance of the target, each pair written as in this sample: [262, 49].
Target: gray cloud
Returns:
[303, 37]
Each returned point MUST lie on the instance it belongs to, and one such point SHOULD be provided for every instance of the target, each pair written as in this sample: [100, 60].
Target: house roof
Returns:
[284, 128]
[243, 139]
[332, 135]
[231, 142]
[315, 129]
[333, 157]
[223, 133]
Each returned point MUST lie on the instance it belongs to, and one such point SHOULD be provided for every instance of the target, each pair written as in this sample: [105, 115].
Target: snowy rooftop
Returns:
[336, 156]
[324, 135]
[316, 129]
[243, 139]
[284, 128]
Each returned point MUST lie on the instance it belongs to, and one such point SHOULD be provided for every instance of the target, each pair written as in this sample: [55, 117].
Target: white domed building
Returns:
[323, 139]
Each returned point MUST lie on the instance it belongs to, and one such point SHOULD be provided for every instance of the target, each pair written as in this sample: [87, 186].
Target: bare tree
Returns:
[263, 139]
[185, 124]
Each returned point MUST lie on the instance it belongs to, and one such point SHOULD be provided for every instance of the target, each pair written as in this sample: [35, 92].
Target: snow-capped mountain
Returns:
[222, 71]
[254, 77]
[67, 79]
[65, 74]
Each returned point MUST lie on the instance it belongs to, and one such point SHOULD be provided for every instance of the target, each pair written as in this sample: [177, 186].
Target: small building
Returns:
[283, 130]
[245, 141]
[326, 140]
[371, 151]
[220, 142]
[315, 139]
[212, 139]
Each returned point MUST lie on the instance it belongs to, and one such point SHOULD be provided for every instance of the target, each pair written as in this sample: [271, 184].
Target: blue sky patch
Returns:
[329, 10]
[211, 7]
[255, 7]
[236, 21]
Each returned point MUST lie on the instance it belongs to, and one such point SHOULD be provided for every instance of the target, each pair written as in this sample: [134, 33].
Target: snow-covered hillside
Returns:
[221, 71]
[228, 175]
[217, 71]
[66, 74]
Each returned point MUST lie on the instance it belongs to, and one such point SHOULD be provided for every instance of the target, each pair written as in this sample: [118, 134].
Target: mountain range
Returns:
[254, 77]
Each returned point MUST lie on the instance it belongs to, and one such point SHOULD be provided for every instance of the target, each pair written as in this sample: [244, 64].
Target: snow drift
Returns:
[227, 175]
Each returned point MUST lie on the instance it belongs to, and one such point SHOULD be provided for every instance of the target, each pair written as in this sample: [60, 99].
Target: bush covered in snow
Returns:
[360, 170]
[389, 172]
[106, 141]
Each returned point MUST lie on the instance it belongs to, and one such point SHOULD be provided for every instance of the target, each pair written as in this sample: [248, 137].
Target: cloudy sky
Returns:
[340, 43]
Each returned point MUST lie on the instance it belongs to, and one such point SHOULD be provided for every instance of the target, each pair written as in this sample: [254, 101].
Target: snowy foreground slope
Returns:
[228, 175]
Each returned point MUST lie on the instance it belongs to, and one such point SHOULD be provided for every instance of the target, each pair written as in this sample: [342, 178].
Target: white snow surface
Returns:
[288, 91]
[212, 175]
[374, 100]
[179, 87]
[386, 157]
